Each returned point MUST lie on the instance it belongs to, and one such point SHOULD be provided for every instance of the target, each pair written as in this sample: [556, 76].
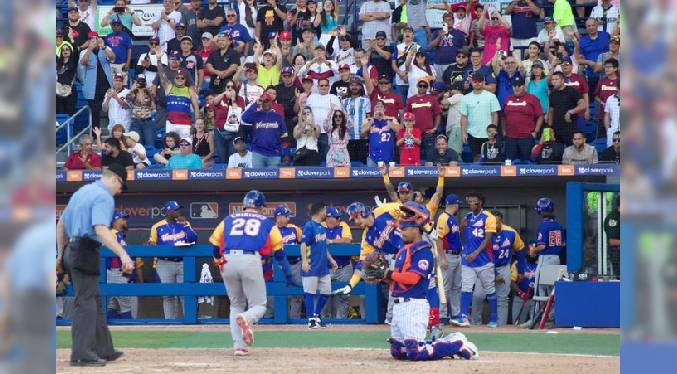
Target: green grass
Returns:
[593, 344]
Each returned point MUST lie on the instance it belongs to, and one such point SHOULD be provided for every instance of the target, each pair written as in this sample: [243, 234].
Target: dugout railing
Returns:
[191, 289]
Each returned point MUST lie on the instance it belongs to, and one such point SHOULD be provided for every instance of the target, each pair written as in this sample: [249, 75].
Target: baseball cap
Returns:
[250, 66]
[121, 172]
[92, 34]
[182, 72]
[333, 212]
[438, 86]
[548, 19]
[285, 35]
[308, 29]
[154, 39]
[409, 116]
[185, 140]
[408, 28]
[187, 38]
[116, 21]
[441, 136]
[383, 78]
[118, 76]
[537, 63]
[344, 67]
[306, 78]
[381, 34]
[117, 215]
[517, 81]
[268, 52]
[477, 77]
[266, 97]
[180, 25]
[238, 139]
[452, 199]
[140, 78]
[458, 6]
[567, 60]
[73, 9]
[287, 71]
[405, 187]
[174, 55]
[172, 205]
[355, 79]
[207, 35]
[282, 210]
[423, 80]
[132, 135]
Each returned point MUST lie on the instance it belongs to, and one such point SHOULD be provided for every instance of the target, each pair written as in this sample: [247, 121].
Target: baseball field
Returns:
[346, 349]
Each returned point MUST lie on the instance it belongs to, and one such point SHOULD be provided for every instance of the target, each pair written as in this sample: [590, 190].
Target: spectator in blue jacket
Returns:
[268, 130]
[94, 89]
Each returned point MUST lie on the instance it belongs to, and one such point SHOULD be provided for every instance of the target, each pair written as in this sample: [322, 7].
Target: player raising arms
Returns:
[380, 234]
[414, 266]
[239, 242]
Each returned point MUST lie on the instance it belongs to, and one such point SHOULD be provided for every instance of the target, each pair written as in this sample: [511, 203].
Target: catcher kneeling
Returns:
[414, 266]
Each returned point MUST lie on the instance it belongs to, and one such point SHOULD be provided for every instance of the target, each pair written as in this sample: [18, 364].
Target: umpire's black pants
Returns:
[89, 330]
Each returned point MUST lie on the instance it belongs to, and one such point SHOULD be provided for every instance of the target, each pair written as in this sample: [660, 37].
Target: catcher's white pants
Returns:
[410, 320]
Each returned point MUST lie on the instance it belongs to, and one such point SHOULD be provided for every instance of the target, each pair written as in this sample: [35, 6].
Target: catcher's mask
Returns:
[415, 215]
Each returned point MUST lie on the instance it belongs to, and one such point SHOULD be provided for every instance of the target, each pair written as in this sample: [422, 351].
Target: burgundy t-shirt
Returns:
[425, 108]
[605, 88]
[392, 101]
[578, 82]
[520, 115]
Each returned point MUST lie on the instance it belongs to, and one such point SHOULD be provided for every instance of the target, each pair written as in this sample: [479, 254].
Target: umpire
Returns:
[82, 229]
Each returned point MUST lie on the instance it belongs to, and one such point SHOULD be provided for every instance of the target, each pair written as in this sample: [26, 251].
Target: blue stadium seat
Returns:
[600, 144]
[357, 164]
[466, 154]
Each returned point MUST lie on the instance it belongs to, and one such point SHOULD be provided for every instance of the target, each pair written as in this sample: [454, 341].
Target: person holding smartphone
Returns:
[124, 14]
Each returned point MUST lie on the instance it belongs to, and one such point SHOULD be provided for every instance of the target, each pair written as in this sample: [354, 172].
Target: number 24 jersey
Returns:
[247, 231]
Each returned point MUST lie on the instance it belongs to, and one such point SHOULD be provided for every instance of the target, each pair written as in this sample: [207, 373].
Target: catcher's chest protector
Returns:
[409, 250]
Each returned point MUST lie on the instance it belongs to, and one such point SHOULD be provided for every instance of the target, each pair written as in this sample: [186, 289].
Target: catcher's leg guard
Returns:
[415, 350]
[446, 348]
[397, 349]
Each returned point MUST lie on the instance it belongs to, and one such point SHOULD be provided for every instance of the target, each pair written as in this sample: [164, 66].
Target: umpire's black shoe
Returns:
[114, 356]
[89, 363]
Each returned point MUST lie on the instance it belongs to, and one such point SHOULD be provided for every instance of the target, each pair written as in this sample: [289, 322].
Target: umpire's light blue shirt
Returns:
[89, 206]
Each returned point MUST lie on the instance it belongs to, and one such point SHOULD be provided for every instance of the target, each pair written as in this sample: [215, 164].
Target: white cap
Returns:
[207, 35]
[132, 135]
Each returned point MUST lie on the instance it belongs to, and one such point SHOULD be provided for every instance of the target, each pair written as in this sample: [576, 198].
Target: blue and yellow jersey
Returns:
[114, 262]
[339, 232]
[414, 258]
[315, 240]
[291, 234]
[383, 236]
[477, 226]
[165, 233]
[525, 269]
[247, 231]
[551, 235]
[432, 208]
[449, 230]
[504, 243]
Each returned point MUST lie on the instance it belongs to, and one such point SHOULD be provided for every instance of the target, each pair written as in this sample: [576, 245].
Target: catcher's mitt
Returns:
[374, 268]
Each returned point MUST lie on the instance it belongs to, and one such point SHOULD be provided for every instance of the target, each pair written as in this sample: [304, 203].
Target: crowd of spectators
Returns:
[267, 85]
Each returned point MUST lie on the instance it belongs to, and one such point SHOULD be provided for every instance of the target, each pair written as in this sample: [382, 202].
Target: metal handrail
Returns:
[71, 138]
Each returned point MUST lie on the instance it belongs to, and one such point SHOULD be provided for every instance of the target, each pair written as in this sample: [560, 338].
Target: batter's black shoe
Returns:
[312, 324]
[89, 363]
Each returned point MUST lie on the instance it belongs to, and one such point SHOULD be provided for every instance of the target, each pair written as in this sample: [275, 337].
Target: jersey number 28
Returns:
[248, 227]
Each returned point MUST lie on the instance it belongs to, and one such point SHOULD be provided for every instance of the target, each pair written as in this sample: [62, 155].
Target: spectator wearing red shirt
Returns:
[523, 118]
[426, 109]
[606, 87]
[409, 141]
[84, 158]
[225, 105]
[393, 102]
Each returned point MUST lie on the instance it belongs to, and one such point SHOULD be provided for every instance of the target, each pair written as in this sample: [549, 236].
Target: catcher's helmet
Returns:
[545, 204]
[282, 210]
[117, 215]
[253, 199]
[415, 215]
[356, 209]
[405, 187]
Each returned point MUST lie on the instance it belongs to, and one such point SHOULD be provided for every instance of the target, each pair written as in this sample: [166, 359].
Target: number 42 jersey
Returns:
[247, 231]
